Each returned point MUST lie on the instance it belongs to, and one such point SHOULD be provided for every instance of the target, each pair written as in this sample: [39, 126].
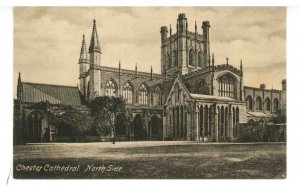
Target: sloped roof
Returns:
[260, 114]
[54, 94]
[211, 97]
[167, 86]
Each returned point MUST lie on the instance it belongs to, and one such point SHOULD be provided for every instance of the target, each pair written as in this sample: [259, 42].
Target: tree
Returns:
[72, 118]
[104, 111]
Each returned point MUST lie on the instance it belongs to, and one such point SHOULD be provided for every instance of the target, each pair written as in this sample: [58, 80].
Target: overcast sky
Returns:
[47, 41]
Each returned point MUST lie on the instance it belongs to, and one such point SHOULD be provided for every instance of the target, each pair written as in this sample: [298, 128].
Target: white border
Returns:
[6, 98]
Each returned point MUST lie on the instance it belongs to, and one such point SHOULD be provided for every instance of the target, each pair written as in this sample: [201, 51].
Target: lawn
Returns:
[144, 160]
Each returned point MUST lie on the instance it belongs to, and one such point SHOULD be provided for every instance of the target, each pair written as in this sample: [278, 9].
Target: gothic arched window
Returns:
[127, 93]
[191, 57]
[275, 105]
[258, 103]
[143, 95]
[249, 102]
[177, 92]
[110, 89]
[227, 85]
[267, 104]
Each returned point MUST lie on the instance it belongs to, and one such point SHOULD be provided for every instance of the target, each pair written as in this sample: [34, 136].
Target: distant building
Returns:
[192, 98]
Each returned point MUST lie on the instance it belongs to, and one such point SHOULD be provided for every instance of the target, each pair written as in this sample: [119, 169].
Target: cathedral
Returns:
[191, 99]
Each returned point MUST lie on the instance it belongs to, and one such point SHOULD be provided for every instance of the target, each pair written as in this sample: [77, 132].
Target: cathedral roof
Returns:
[54, 94]
[95, 44]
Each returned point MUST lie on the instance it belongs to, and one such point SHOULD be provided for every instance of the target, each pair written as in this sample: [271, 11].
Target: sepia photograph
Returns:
[149, 93]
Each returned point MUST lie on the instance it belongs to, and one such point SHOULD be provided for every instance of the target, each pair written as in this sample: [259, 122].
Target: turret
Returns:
[205, 28]
[182, 24]
[163, 33]
[95, 59]
[283, 85]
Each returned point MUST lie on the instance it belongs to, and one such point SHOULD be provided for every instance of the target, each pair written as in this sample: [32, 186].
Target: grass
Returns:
[155, 160]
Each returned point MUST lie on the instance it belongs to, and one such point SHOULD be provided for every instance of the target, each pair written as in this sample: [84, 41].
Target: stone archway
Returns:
[156, 128]
[139, 128]
[34, 128]
[121, 125]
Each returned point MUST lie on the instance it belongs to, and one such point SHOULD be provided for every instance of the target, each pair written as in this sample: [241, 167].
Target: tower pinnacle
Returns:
[83, 51]
[95, 44]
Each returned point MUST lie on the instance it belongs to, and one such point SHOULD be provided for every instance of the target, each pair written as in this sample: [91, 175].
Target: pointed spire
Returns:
[151, 73]
[83, 51]
[241, 66]
[19, 78]
[170, 30]
[227, 60]
[95, 44]
[195, 26]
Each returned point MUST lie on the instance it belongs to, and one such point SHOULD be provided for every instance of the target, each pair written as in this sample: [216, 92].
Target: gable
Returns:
[178, 92]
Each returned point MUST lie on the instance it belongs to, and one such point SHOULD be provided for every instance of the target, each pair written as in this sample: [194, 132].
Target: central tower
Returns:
[184, 51]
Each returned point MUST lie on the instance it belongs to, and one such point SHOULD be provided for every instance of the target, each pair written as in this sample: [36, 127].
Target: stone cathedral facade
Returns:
[191, 99]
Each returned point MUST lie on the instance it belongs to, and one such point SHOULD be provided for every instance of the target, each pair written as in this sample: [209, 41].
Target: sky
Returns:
[47, 40]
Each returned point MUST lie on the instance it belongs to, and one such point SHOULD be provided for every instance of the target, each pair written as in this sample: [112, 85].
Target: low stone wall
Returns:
[256, 132]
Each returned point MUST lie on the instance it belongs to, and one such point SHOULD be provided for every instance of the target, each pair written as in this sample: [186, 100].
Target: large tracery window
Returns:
[110, 89]
[191, 57]
[227, 85]
[127, 93]
[143, 95]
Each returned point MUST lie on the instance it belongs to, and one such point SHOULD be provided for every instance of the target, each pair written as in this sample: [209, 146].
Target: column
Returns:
[230, 125]
[180, 123]
[197, 125]
[204, 121]
[216, 125]
[188, 126]
[208, 122]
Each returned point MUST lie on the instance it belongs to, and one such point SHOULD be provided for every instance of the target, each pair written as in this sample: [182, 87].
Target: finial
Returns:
[170, 30]
[19, 78]
[195, 25]
[135, 69]
[151, 73]
[241, 66]
[227, 60]
[213, 59]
